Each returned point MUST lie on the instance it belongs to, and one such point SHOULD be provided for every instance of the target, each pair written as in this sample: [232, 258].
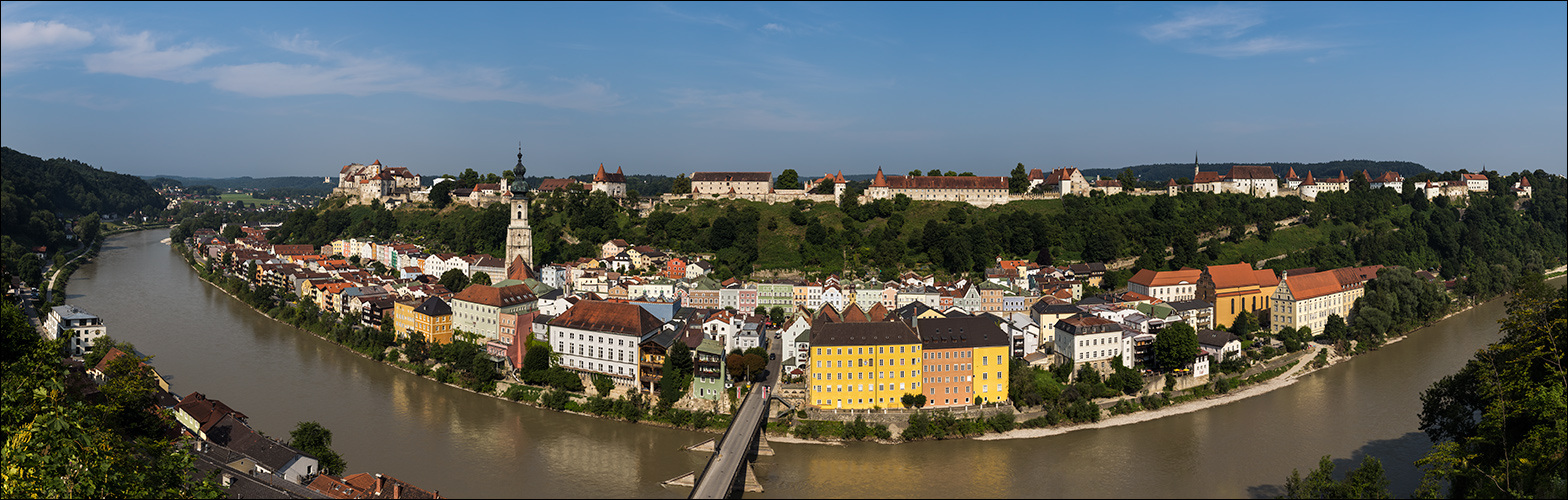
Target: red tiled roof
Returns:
[731, 176]
[1152, 278]
[1251, 172]
[1474, 177]
[1060, 174]
[616, 177]
[1207, 177]
[495, 296]
[613, 317]
[1312, 285]
[945, 182]
[1236, 275]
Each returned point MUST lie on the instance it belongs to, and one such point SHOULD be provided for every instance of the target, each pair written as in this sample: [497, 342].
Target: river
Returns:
[466, 445]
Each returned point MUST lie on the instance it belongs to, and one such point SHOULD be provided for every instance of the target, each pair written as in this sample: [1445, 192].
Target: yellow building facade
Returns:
[1234, 288]
[863, 365]
[431, 317]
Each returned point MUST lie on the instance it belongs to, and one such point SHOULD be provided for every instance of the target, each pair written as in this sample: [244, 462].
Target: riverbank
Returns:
[1284, 380]
[577, 400]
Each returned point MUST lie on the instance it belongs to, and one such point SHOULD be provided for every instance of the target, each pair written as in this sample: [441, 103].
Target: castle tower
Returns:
[519, 237]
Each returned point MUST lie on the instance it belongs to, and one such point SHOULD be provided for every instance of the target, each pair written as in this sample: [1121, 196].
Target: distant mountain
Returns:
[309, 184]
[1166, 171]
[34, 190]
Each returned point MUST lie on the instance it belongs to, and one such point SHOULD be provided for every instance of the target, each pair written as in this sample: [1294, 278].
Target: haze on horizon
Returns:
[228, 90]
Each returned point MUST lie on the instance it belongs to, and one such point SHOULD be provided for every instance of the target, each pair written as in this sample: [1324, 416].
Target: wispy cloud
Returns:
[750, 110]
[1226, 31]
[23, 44]
[138, 55]
[775, 28]
[713, 19]
[336, 72]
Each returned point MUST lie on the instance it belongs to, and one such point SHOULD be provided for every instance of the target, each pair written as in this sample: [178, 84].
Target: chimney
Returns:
[397, 490]
[380, 482]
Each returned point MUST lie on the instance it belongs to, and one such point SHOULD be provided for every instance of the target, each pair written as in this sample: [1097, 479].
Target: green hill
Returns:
[36, 191]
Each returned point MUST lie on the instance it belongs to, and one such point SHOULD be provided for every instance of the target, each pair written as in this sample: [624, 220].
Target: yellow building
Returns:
[431, 318]
[965, 360]
[1234, 288]
[863, 365]
[1308, 300]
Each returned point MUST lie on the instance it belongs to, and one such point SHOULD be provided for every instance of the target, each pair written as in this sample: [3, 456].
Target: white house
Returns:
[1093, 340]
[84, 328]
[602, 338]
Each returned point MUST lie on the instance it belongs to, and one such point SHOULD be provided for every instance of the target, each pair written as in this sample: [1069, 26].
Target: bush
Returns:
[522, 393]
[1003, 422]
[555, 400]
[1125, 406]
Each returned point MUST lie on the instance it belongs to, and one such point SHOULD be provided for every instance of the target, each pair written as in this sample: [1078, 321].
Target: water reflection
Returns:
[466, 445]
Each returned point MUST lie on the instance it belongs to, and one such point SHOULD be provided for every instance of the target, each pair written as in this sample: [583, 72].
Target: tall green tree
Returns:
[1175, 346]
[1499, 426]
[1366, 481]
[788, 179]
[316, 440]
[1018, 181]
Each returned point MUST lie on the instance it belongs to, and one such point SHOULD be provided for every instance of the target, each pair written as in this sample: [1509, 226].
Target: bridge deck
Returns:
[725, 465]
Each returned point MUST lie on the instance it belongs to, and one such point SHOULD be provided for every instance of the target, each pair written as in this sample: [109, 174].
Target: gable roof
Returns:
[859, 334]
[434, 306]
[613, 317]
[1313, 285]
[616, 177]
[853, 314]
[945, 182]
[961, 331]
[207, 412]
[1206, 177]
[1215, 338]
[496, 296]
[236, 435]
[1152, 278]
[1236, 275]
[1251, 172]
[731, 176]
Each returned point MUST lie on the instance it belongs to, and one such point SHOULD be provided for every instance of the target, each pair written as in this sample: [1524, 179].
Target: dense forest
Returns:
[38, 198]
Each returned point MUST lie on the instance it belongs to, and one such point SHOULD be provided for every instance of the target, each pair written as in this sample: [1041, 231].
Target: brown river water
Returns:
[466, 445]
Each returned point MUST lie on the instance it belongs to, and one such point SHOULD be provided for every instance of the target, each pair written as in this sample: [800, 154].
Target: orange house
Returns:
[1234, 288]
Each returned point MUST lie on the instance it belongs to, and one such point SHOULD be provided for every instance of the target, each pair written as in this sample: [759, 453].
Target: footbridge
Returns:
[729, 467]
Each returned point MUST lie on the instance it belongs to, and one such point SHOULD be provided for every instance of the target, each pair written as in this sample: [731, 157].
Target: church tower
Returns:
[519, 237]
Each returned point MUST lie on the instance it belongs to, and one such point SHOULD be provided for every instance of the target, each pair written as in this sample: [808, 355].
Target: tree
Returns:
[1175, 346]
[1018, 182]
[788, 179]
[934, 172]
[1334, 328]
[602, 383]
[454, 280]
[316, 440]
[681, 184]
[441, 194]
[1366, 481]
[1128, 179]
[1499, 425]
[914, 173]
[480, 278]
[1244, 324]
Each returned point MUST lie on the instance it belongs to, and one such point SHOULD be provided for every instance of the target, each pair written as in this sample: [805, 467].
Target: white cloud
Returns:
[775, 28]
[23, 44]
[1225, 31]
[34, 34]
[335, 72]
[750, 110]
[1216, 22]
[139, 56]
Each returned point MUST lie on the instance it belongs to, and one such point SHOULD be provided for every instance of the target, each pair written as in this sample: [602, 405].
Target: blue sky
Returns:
[232, 89]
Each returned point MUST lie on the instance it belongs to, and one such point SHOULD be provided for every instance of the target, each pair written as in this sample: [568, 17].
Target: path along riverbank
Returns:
[1285, 379]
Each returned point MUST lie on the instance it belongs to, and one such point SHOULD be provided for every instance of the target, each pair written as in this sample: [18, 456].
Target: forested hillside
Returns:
[309, 185]
[37, 198]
